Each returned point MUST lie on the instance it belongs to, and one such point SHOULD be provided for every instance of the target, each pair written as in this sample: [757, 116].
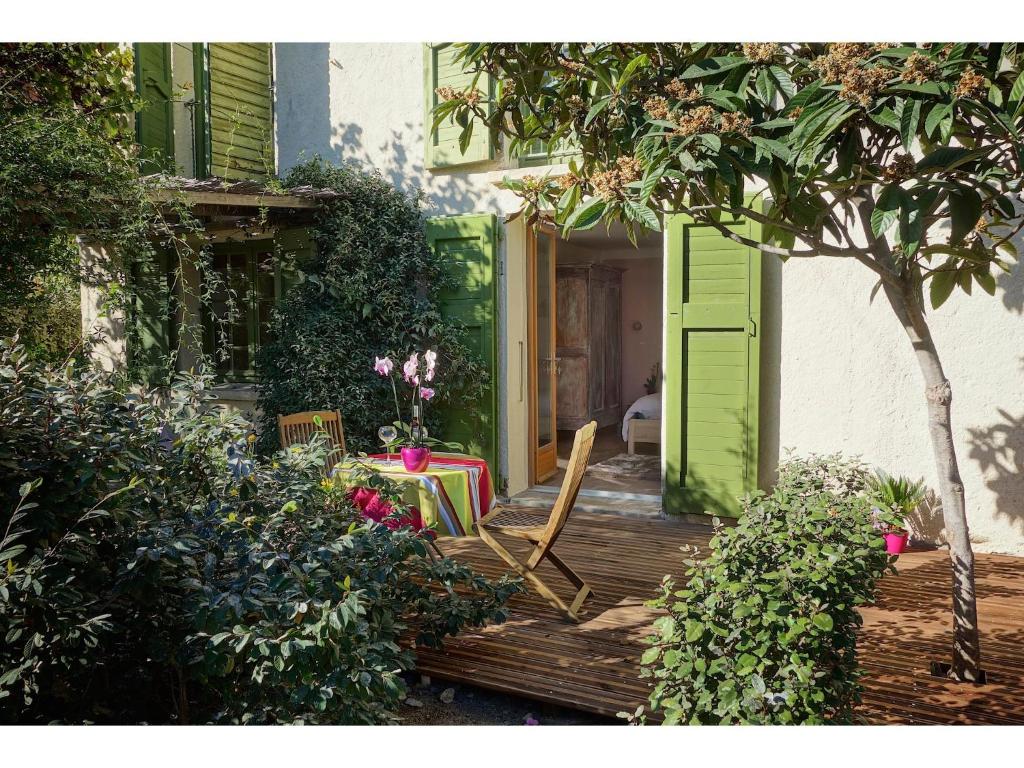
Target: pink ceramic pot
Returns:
[415, 459]
[896, 543]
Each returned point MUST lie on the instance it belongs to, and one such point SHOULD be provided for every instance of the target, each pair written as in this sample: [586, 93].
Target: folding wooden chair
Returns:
[521, 524]
[298, 428]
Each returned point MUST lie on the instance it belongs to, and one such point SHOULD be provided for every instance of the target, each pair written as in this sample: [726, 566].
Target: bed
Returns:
[642, 421]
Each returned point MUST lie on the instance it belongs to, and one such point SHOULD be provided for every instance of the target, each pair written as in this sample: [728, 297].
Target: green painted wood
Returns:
[201, 110]
[468, 246]
[241, 110]
[150, 345]
[154, 123]
[442, 145]
[713, 318]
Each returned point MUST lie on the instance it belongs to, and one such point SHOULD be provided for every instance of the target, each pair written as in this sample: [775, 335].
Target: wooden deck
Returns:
[594, 666]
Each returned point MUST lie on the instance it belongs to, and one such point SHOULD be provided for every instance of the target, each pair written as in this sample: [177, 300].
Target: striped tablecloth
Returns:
[452, 493]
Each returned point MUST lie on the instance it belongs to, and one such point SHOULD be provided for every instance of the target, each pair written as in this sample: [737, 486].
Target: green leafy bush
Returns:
[764, 630]
[153, 569]
[371, 290]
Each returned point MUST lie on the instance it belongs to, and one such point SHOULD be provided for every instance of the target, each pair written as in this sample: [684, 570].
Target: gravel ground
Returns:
[442, 703]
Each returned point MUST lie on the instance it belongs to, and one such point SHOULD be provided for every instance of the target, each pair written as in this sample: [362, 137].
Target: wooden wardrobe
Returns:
[589, 344]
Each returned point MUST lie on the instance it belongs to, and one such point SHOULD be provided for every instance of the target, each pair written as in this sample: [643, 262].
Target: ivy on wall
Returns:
[370, 289]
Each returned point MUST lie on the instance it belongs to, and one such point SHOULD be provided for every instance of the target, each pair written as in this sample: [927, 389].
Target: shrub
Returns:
[765, 629]
[371, 290]
[153, 569]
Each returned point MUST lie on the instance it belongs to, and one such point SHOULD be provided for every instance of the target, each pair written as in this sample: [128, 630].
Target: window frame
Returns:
[249, 306]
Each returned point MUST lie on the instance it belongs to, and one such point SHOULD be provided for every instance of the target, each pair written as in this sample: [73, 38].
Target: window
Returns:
[238, 311]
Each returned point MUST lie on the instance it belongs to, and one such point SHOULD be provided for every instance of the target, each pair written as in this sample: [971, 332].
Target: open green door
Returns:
[712, 367]
[467, 245]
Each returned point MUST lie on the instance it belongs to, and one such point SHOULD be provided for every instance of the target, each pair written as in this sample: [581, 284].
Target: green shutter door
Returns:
[152, 336]
[467, 245]
[154, 123]
[241, 110]
[712, 370]
[442, 146]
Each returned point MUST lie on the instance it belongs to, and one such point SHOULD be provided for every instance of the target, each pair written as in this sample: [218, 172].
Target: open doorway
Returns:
[595, 349]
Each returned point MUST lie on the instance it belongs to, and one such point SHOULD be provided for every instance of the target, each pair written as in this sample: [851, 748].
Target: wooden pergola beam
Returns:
[228, 199]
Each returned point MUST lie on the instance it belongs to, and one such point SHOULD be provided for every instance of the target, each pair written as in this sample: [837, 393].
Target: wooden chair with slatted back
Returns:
[523, 523]
[298, 428]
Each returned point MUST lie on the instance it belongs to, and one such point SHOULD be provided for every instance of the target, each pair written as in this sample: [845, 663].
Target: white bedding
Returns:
[648, 405]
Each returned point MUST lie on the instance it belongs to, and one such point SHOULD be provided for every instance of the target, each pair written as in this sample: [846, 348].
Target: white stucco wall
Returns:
[837, 372]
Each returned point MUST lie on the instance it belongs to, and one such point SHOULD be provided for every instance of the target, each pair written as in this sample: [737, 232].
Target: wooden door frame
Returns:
[531, 353]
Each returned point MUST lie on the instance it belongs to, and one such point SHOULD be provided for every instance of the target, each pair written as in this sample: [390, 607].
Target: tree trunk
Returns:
[966, 662]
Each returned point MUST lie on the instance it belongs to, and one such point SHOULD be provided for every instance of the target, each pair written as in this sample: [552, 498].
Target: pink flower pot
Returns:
[895, 543]
[415, 459]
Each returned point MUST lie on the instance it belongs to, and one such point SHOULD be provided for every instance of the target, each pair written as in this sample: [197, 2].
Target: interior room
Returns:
[608, 351]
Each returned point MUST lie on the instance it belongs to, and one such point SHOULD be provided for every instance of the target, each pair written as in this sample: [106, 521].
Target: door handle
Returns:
[751, 326]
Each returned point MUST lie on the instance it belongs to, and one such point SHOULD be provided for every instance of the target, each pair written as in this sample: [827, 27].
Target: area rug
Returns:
[633, 465]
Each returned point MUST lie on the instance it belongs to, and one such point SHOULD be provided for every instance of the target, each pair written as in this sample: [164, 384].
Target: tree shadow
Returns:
[307, 76]
[771, 372]
[1012, 282]
[999, 451]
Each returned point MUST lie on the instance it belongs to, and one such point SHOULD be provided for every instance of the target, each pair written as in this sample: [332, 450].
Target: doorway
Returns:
[595, 328]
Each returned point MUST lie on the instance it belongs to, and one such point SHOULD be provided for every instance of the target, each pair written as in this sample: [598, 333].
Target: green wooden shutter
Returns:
[152, 309]
[442, 146]
[154, 123]
[241, 110]
[712, 367]
[467, 245]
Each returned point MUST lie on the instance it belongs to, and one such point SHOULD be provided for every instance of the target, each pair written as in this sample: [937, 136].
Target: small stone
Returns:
[447, 695]
[411, 702]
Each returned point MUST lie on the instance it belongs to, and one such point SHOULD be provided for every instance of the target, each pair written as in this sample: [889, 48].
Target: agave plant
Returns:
[896, 495]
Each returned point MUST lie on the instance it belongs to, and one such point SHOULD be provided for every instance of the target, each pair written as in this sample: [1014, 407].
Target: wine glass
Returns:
[387, 434]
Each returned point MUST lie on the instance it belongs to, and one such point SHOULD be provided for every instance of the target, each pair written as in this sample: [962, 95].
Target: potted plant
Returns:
[651, 382]
[895, 499]
[416, 443]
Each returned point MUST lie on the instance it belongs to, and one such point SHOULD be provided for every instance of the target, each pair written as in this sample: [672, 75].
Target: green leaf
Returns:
[886, 209]
[649, 656]
[937, 114]
[964, 212]
[942, 285]
[910, 116]
[1016, 99]
[595, 109]
[911, 228]
[823, 621]
[949, 158]
[631, 69]
[644, 215]
[713, 66]
[986, 280]
[586, 216]
[785, 82]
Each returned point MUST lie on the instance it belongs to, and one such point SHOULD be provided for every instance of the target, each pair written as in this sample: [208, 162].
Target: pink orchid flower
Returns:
[383, 365]
[431, 357]
[411, 366]
[426, 393]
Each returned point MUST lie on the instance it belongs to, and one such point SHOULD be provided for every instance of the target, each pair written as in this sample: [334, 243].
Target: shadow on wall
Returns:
[771, 371]
[999, 451]
[306, 129]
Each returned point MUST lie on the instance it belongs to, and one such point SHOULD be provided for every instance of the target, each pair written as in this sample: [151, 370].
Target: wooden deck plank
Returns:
[594, 666]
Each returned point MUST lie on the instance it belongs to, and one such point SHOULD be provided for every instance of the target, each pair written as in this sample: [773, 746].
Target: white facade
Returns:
[837, 373]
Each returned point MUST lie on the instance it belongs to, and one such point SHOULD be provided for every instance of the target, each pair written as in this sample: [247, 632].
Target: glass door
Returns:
[544, 363]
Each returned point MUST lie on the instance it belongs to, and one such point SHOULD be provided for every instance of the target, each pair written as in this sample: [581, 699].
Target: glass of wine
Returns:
[387, 434]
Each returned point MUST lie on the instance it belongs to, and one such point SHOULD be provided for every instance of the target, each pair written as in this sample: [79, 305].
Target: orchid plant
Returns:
[417, 374]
